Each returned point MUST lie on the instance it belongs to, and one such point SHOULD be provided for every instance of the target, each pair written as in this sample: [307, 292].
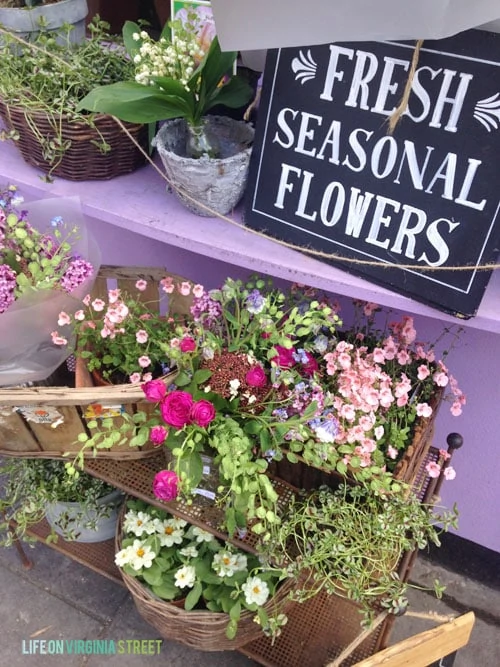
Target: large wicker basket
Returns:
[44, 422]
[200, 629]
[82, 160]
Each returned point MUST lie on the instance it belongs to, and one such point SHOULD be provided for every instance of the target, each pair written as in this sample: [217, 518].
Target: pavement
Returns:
[59, 599]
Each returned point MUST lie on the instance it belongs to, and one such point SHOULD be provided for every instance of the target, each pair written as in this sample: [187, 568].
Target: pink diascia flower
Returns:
[114, 295]
[141, 285]
[202, 413]
[57, 339]
[166, 485]
[449, 473]
[141, 336]
[187, 344]
[198, 291]
[256, 377]
[154, 391]
[98, 305]
[176, 408]
[158, 435]
[167, 284]
[144, 361]
[63, 319]
[185, 288]
[433, 469]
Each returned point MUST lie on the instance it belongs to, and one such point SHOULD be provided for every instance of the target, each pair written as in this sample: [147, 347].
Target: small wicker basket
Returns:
[82, 159]
[200, 629]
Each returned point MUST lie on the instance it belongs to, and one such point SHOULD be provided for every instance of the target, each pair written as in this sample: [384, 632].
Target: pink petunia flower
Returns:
[98, 305]
[57, 339]
[198, 291]
[144, 361]
[449, 473]
[113, 295]
[184, 288]
[63, 319]
[141, 285]
[135, 378]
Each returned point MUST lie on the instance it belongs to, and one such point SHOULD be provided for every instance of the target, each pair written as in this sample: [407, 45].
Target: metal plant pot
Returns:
[25, 22]
[106, 526]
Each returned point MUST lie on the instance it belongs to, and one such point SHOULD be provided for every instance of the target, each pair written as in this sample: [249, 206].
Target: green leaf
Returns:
[193, 596]
[133, 102]
[192, 465]
[132, 46]
[182, 379]
[166, 590]
[153, 575]
[235, 611]
[201, 376]
[233, 94]
[231, 629]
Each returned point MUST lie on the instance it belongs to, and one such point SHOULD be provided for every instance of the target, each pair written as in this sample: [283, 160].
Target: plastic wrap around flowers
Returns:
[48, 260]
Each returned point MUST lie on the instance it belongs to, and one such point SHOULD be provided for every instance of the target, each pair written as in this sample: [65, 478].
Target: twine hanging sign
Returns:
[340, 165]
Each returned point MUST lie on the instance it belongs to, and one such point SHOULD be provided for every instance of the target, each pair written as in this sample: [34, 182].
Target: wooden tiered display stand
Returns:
[317, 630]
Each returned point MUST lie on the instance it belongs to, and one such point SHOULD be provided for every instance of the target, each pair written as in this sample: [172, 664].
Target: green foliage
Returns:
[31, 484]
[52, 76]
[350, 541]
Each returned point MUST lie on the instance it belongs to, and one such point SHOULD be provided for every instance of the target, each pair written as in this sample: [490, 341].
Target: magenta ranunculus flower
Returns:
[176, 408]
[166, 485]
[256, 376]
[154, 391]
[158, 435]
[284, 357]
[187, 344]
[202, 413]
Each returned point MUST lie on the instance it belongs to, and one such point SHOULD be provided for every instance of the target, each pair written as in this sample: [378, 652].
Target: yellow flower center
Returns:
[168, 530]
[140, 552]
[226, 560]
[139, 522]
[256, 590]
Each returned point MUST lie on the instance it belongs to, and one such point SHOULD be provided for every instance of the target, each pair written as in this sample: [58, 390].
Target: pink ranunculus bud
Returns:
[256, 376]
[284, 356]
[154, 391]
[202, 413]
[166, 485]
[158, 435]
[187, 344]
[176, 408]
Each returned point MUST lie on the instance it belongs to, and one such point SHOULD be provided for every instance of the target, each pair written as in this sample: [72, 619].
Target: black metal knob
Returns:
[454, 440]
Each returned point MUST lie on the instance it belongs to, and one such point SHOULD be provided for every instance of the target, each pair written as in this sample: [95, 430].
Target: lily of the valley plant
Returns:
[174, 78]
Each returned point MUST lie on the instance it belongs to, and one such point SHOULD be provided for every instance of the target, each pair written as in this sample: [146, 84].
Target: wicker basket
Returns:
[82, 161]
[44, 422]
[200, 629]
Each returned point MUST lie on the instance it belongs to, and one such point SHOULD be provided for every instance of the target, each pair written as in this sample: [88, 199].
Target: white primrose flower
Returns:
[168, 532]
[190, 551]
[225, 563]
[124, 556]
[138, 523]
[234, 385]
[256, 591]
[202, 535]
[141, 555]
[185, 577]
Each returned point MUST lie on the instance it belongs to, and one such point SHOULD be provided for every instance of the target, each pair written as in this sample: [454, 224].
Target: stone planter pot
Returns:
[106, 526]
[25, 22]
[215, 183]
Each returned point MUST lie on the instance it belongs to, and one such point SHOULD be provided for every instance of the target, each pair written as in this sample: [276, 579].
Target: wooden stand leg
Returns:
[26, 562]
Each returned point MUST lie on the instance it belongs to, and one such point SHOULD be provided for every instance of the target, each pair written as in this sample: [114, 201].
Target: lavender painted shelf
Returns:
[139, 203]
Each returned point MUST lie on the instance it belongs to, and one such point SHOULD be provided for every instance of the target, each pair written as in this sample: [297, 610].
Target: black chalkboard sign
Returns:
[326, 174]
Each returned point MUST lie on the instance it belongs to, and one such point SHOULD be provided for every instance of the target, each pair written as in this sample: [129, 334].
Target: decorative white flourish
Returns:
[487, 112]
[304, 67]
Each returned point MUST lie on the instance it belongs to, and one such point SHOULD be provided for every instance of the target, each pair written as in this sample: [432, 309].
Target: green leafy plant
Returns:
[174, 78]
[178, 561]
[350, 541]
[31, 485]
[51, 75]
